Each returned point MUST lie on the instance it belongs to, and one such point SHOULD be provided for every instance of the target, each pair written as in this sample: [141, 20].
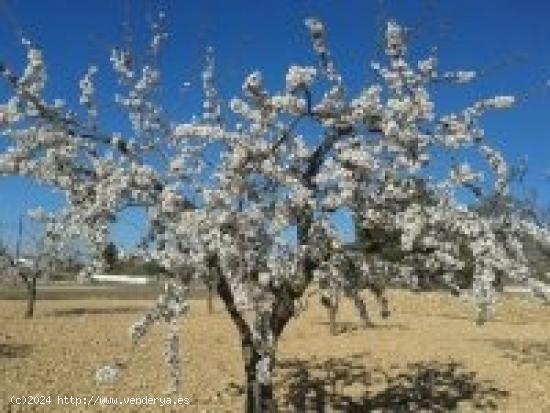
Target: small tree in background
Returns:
[110, 255]
[28, 269]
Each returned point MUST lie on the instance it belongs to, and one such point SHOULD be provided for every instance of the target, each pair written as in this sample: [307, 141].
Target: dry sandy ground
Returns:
[428, 356]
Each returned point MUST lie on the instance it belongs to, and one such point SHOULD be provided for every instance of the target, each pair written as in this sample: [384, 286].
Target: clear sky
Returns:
[507, 41]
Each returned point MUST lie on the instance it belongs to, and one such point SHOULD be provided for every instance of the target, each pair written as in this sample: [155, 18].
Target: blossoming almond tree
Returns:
[230, 214]
[348, 275]
[24, 270]
[33, 267]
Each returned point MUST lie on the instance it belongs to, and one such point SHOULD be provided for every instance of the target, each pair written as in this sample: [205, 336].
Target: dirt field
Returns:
[428, 356]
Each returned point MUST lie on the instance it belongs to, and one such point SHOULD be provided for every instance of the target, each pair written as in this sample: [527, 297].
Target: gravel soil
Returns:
[427, 356]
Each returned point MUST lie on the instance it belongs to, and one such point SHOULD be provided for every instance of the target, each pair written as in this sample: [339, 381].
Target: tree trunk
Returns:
[332, 311]
[210, 298]
[31, 297]
[259, 396]
[361, 308]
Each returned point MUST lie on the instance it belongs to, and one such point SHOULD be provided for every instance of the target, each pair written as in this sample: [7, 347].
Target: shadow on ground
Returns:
[343, 327]
[524, 320]
[12, 351]
[78, 311]
[526, 352]
[347, 385]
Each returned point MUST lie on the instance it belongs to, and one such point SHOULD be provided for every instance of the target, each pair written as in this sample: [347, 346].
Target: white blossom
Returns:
[299, 77]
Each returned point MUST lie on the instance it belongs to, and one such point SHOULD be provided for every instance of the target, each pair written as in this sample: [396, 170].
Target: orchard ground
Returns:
[428, 356]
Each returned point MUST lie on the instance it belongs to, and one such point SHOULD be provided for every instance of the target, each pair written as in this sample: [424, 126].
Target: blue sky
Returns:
[507, 41]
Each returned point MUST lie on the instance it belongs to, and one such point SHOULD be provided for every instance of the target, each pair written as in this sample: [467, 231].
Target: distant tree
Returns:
[27, 269]
[110, 255]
